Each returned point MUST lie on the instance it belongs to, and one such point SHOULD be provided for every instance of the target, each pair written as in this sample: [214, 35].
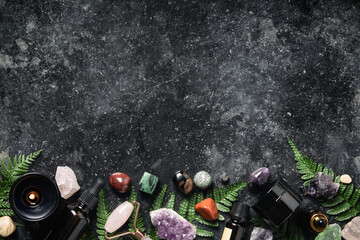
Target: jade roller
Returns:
[119, 216]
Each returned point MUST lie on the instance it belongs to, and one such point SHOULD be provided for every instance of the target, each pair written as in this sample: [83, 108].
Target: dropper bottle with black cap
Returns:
[236, 227]
[74, 219]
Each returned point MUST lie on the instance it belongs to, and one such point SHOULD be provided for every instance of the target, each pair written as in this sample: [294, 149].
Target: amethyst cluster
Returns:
[172, 226]
[323, 186]
[259, 177]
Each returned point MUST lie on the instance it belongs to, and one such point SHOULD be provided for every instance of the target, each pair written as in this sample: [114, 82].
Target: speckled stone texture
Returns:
[132, 86]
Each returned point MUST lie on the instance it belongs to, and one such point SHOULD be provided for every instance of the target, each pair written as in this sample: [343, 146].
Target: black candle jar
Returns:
[278, 203]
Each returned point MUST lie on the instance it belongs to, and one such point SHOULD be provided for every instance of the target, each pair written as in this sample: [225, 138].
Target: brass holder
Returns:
[137, 234]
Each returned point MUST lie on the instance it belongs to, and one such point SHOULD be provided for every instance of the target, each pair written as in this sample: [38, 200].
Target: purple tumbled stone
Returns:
[322, 186]
[261, 234]
[259, 177]
[171, 226]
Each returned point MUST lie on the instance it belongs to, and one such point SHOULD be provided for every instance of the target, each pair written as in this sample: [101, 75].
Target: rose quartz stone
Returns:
[119, 216]
[351, 230]
[66, 181]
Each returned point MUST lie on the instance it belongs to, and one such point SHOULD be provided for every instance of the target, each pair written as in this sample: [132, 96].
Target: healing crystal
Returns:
[120, 182]
[345, 178]
[224, 178]
[148, 183]
[183, 181]
[66, 181]
[323, 186]
[172, 226]
[202, 179]
[332, 232]
[351, 230]
[259, 177]
[207, 209]
[261, 234]
[119, 216]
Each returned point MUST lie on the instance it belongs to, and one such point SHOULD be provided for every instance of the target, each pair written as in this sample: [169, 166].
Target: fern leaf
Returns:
[171, 202]
[209, 194]
[228, 196]
[201, 220]
[184, 207]
[200, 197]
[221, 217]
[348, 192]
[203, 233]
[102, 214]
[352, 212]
[222, 208]
[355, 197]
[6, 212]
[192, 212]
[333, 202]
[216, 195]
[140, 221]
[153, 233]
[339, 209]
[159, 199]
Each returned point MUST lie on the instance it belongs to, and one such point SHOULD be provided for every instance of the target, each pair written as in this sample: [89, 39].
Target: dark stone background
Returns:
[158, 86]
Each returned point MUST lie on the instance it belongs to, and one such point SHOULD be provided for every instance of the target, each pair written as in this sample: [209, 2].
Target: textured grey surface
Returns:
[106, 86]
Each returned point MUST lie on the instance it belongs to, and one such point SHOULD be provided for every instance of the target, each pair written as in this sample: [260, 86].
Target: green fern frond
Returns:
[6, 212]
[184, 207]
[159, 199]
[221, 217]
[140, 224]
[228, 195]
[200, 197]
[306, 166]
[201, 220]
[203, 233]
[208, 194]
[345, 205]
[102, 213]
[171, 202]
[152, 233]
[191, 212]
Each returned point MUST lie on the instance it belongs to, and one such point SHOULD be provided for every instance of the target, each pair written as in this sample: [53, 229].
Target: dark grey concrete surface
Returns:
[159, 86]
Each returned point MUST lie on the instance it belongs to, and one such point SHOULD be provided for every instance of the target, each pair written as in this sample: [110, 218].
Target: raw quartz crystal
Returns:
[261, 234]
[351, 230]
[172, 226]
[66, 182]
[323, 186]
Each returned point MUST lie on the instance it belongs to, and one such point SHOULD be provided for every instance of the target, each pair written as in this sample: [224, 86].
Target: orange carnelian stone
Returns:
[207, 209]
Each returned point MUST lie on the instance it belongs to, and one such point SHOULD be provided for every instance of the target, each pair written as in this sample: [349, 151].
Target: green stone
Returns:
[332, 232]
[148, 183]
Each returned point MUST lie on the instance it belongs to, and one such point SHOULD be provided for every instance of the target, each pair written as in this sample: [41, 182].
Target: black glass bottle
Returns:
[235, 228]
[74, 219]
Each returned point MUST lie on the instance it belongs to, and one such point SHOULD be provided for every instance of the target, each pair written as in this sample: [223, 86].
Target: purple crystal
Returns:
[259, 177]
[323, 186]
[261, 234]
[172, 226]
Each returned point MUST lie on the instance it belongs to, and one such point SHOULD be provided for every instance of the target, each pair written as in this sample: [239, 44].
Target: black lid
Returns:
[278, 203]
[240, 212]
[90, 197]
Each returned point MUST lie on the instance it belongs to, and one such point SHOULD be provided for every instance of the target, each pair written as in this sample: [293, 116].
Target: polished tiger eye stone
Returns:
[207, 209]
[120, 182]
[183, 181]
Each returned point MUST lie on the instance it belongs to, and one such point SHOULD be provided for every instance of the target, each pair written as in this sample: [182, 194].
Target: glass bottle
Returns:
[74, 218]
[235, 228]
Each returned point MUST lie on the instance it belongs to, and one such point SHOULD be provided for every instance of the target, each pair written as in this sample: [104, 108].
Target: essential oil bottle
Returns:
[74, 218]
[235, 228]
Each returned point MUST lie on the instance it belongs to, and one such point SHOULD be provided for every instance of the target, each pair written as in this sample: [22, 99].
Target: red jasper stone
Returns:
[120, 182]
[207, 209]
